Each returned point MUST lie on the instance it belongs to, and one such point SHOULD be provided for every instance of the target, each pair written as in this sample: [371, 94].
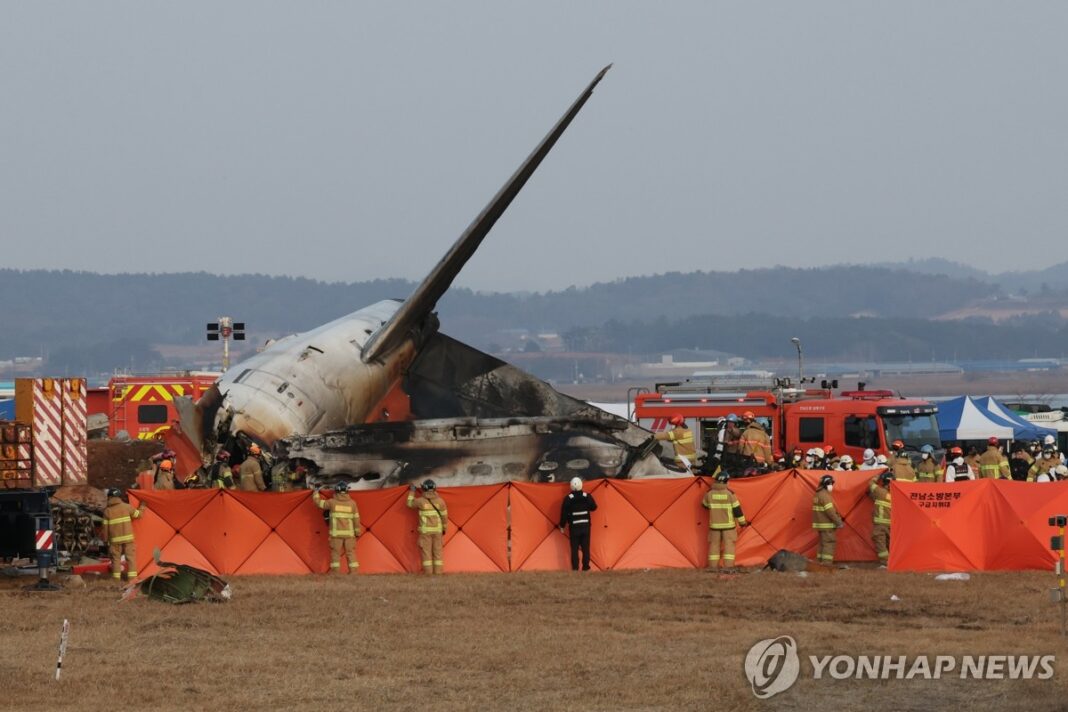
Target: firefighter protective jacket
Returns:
[344, 516]
[433, 516]
[901, 466]
[575, 511]
[993, 465]
[880, 495]
[118, 521]
[724, 510]
[928, 471]
[756, 444]
[824, 515]
[251, 476]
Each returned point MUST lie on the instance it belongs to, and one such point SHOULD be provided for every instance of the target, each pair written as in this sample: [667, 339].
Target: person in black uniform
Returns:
[575, 513]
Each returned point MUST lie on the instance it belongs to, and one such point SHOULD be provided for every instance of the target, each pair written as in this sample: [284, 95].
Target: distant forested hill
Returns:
[83, 320]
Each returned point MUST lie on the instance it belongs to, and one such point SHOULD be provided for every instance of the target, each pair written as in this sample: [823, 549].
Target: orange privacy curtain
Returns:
[980, 525]
[497, 528]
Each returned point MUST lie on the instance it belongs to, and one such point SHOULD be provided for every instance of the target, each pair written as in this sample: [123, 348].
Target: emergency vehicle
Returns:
[143, 406]
[851, 421]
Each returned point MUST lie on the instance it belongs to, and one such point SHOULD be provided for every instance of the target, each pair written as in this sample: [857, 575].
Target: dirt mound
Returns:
[115, 464]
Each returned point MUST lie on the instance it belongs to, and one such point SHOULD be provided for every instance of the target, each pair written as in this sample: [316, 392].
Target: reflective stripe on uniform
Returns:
[123, 539]
[120, 520]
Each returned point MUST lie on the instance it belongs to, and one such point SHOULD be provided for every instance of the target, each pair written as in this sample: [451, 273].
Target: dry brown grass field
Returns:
[534, 641]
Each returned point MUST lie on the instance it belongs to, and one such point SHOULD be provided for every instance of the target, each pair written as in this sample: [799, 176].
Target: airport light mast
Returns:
[225, 329]
[800, 362]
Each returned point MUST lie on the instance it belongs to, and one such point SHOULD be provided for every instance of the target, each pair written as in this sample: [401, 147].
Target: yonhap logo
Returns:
[772, 666]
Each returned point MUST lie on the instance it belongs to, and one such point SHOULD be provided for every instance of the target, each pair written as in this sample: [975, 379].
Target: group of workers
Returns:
[740, 442]
[253, 474]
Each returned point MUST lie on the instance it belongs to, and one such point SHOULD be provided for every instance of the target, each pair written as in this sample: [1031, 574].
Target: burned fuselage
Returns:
[464, 451]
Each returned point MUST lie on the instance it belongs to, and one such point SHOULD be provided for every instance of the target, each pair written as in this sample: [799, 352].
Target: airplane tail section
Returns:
[419, 305]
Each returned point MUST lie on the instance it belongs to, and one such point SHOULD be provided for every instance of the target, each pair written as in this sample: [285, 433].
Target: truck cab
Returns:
[851, 421]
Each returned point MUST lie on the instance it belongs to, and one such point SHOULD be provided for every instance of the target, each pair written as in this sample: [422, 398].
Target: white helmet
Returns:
[811, 451]
[1049, 440]
[1062, 471]
[576, 484]
[869, 454]
[881, 459]
[819, 452]
[846, 460]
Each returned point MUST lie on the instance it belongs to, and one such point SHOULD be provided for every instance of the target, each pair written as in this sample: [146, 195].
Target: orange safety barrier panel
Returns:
[496, 528]
[981, 525]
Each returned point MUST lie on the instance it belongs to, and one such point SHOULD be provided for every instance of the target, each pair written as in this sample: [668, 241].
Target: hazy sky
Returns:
[350, 140]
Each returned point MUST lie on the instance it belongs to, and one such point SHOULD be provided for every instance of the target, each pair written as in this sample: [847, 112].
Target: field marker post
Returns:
[1056, 543]
[63, 637]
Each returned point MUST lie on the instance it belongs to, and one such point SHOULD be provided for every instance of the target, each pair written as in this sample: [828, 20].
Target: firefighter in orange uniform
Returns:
[118, 533]
[344, 526]
[682, 439]
[724, 517]
[879, 491]
[755, 445]
[250, 477]
[433, 522]
[825, 520]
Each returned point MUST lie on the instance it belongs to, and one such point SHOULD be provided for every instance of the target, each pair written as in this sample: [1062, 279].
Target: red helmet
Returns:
[166, 465]
[956, 451]
[677, 419]
[898, 444]
[748, 415]
[779, 455]
[992, 440]
[828, 449]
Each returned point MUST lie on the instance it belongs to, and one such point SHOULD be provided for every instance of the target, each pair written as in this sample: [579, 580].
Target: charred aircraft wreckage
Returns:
[380, 397]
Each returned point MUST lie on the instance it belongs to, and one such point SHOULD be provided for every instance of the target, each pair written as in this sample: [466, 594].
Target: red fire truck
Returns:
[143, 406]
[806, 418]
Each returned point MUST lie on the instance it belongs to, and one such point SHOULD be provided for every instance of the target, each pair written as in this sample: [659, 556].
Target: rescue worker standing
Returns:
[879, 491]
[1043, 464]
[344, 525]
[250, 477]
[682, 439]
[958, 469]
[825, 520]
[433, 523]
[724, 517]
[118, 533]
[902, 463]
[992, 464]
[928, 470]
[165, 475]
[575, 514]
[755, 445]
[219, 476]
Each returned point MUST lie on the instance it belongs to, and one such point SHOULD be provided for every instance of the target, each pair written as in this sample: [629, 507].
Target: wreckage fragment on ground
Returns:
[318, 398]
[179, 583]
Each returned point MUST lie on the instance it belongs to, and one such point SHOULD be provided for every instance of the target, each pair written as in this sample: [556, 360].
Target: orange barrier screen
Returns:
[982, 525]
[503, 527]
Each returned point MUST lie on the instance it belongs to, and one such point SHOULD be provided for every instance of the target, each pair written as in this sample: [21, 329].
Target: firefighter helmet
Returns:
[429, 486]
[748, 415]
[341, 486]
[166, 465]
[869, 454]
[898, 444]
[955, 450]
[847, 460]
[576, 484]
[114, 492]
[677, 420]
[819, 453]
[1049, 440]
[826, 481]
[722, 477]
[992, 440]
[732, 418]
[929, 449]
[886, 477]
[253, 449]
